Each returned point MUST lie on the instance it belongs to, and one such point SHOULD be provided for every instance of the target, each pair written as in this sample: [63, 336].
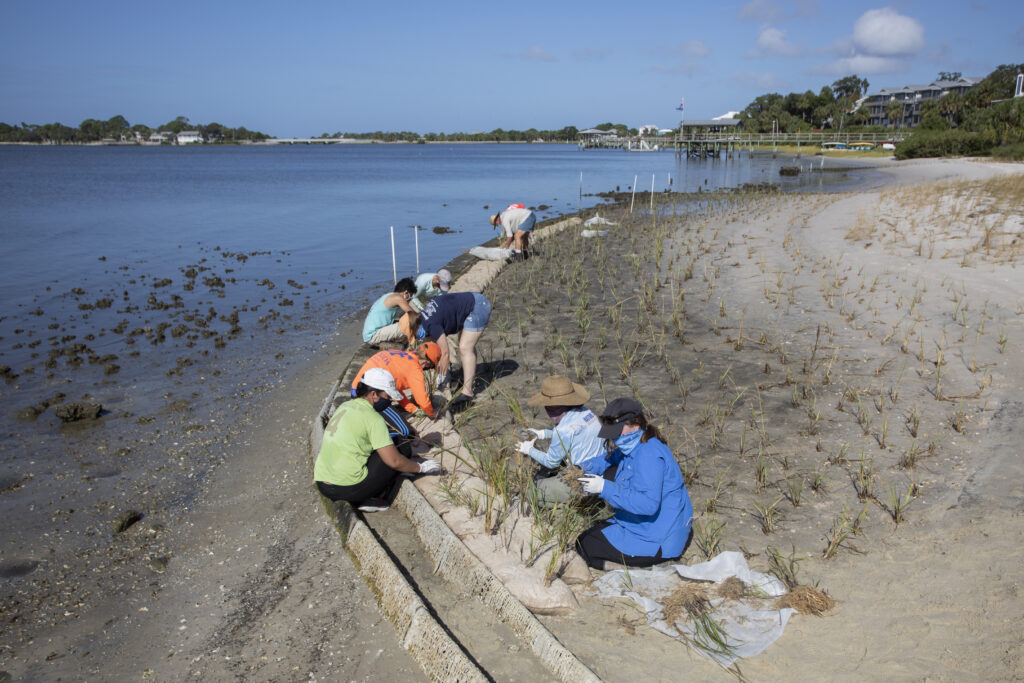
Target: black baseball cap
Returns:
[616, 414]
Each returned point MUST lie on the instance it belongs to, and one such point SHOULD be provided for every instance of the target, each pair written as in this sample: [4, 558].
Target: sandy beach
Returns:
[834, 350]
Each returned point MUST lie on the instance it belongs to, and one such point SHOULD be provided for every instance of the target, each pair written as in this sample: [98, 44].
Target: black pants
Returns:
[595, 549]
[380, 482]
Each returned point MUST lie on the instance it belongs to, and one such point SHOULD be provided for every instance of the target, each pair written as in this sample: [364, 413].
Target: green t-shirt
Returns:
[354, 431]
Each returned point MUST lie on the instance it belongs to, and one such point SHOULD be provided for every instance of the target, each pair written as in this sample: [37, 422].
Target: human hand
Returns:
[429, 466]
[525, 446]
[592, 483]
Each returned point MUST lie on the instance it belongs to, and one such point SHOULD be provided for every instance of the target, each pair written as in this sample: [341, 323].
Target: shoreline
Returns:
[223, 516]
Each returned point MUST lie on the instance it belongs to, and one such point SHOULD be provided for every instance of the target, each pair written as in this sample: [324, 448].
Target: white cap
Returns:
[381, 379]
[444, 279]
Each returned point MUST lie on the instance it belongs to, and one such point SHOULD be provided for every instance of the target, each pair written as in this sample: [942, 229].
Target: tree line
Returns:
[118, 128]
[566, 134]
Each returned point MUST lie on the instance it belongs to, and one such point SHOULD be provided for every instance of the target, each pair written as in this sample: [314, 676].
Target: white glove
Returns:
[540, 433]
[429, 465]
[592, 483]
[525, 446]
[442, 381]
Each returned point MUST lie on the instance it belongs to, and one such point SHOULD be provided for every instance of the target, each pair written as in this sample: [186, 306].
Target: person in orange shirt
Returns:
[407, 368]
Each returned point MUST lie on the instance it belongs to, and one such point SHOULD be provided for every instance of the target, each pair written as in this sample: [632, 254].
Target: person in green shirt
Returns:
[357, 461]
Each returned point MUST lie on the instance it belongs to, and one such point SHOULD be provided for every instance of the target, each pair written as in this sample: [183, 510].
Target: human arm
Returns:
[639, 494]
[420, 396]
[398, 299]
[444, 361]
[396, 461]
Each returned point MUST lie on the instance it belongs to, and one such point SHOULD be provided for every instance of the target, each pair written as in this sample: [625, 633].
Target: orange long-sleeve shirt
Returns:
[404, 366]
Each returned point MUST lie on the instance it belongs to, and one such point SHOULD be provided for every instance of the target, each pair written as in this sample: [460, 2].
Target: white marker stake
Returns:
[579, 206]
[652, 193]
[394, 268]
[416, 232]
[633, 196]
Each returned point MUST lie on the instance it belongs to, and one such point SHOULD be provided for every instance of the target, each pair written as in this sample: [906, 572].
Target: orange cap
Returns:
[432, 352]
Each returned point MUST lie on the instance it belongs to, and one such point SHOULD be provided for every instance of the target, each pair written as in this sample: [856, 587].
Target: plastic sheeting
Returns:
[749, 629]
[593, 233]
[491, 253]
[597, 220]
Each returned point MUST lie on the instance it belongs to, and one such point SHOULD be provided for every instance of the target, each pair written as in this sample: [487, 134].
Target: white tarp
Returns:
[597, 220]
[749, 629]
[593, 233]
[491, 253]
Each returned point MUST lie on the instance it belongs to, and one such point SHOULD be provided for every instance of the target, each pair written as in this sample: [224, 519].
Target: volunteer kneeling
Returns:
[653, 514]
[357, 461]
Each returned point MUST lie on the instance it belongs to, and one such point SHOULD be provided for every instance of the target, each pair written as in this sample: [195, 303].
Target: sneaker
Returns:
[373, 505]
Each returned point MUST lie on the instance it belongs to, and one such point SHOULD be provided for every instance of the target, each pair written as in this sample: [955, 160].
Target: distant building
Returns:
[649, 129]
[189, 137]
[596, 135]
[912, 97]
[699, 126]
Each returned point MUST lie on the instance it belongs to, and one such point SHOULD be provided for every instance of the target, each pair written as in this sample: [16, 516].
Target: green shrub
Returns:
[1009, 152]
[946, 143]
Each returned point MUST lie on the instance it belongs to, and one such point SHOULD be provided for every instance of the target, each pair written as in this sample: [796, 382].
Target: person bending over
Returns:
[517, 224]
[574, 439]
[465, 314]
[653, 514]
[381, 322]
[357, 461]
[429, 285]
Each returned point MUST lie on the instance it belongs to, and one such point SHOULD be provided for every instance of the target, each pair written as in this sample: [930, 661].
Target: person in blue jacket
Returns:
[644, 485]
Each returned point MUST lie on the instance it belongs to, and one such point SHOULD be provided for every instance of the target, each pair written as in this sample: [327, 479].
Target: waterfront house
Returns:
[189, 137]
[912, 97]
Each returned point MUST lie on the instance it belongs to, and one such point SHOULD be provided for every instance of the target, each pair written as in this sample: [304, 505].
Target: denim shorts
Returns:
[478, 317]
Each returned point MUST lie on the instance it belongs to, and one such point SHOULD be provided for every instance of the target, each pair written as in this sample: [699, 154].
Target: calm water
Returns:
[329, 207]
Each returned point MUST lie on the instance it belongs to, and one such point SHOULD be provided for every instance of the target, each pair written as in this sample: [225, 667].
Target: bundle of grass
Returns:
[570, 475]
[689, 599]
[806, 600]
[732, 589]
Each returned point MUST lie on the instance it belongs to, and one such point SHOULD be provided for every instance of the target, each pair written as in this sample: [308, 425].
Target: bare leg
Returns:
[467, 354]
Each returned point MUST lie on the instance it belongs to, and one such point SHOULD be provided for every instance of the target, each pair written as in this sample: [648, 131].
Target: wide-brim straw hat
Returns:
[557, 390]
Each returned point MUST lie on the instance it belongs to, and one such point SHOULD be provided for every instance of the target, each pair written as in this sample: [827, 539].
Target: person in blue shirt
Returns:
[653, 515]
[465, 314]
[381, 324]
[574, 439]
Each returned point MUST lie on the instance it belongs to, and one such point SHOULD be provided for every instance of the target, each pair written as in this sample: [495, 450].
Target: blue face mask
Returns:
[627, 442]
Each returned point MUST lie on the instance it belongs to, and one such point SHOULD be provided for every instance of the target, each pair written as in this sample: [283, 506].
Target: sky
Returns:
[303, 68]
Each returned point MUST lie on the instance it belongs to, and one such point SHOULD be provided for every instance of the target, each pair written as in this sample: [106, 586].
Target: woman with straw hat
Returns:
[574, 439]
[653, 514]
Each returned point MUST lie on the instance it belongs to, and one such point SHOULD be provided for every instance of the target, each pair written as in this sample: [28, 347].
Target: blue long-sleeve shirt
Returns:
[652, 508]
[575, 437]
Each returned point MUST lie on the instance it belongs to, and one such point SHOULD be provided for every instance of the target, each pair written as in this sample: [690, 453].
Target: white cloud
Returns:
[862, 65]
[761, 81]
[886, 33]
[535, 53]
[589, 53]
[772, 42]
[760, 11]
